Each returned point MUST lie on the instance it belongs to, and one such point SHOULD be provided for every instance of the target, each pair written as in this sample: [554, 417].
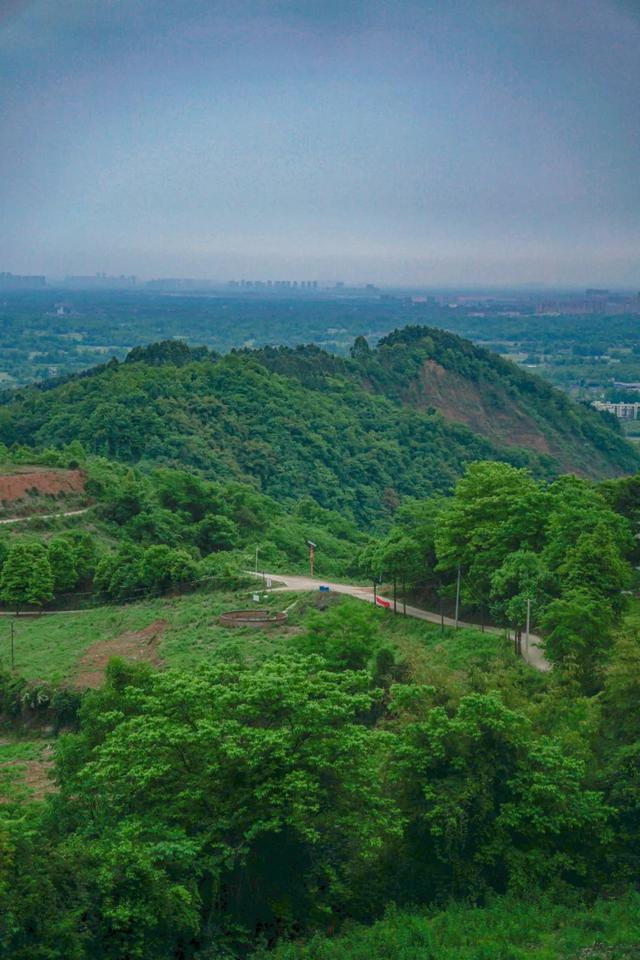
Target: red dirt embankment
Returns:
[489, 410]
[16, 485]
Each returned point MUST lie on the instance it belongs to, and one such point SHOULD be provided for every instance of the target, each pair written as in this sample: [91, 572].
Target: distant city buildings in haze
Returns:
[506, 303]
[594, 301]
[100, 281]
[273, 284]
[12, 281]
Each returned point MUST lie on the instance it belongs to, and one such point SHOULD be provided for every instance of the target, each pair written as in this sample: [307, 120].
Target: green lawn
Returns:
[49, 647]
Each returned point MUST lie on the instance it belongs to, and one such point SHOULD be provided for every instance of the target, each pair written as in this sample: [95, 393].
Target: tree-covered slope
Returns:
[354, 434]
[428, 369]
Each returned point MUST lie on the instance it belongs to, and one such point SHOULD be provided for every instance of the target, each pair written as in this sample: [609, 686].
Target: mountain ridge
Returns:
[358, 433]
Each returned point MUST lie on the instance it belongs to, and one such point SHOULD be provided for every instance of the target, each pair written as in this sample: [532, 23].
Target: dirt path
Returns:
[533, 655]
[131, 645]
[46, 516]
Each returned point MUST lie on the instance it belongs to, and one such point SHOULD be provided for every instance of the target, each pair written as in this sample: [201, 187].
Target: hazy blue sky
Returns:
[430, 142]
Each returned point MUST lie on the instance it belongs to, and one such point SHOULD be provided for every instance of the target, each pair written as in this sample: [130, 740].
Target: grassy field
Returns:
[51, 647]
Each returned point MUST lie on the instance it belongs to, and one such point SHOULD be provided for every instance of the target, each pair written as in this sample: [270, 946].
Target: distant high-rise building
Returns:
[13, 281]
[279, 285]
[100, 281]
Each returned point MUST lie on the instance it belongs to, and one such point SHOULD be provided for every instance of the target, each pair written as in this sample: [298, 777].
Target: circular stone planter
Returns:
[252, 618]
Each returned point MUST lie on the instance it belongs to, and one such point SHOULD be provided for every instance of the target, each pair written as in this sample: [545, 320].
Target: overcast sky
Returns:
[466, 142]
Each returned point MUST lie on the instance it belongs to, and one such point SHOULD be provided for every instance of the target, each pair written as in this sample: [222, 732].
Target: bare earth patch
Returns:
[17, 483]
[133, 645]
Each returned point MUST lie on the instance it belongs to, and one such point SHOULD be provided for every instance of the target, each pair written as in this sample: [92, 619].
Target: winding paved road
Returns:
[534, 655]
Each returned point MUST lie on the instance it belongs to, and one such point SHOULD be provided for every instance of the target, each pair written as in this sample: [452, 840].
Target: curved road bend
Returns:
[533, 656]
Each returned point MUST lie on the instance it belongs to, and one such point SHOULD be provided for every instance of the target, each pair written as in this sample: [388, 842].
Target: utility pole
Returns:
[458, 597]
[395, 595]
[404, 597]
[441, 615]
[257, 551]
[13, 648]
[526, 642]
[312, 555]
[375, 598]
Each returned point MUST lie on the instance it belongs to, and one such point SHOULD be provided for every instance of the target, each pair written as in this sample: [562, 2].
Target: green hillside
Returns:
[428, 370]
[356, 435]
[351, 785]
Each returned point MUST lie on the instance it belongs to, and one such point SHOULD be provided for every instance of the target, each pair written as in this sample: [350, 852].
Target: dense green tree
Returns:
[62, 558]
[216, 532]
[400, 557]
[129, 499]
[85, 552]
[120, 575]
[596, 566]
[156, 566]
[617, 752]
[489, 805]
[4, 550]
[228, 796]
[156, 525]
[44, 895]
[521, 578]
[342, 636]
[621, 692]
[358, 435]
[26, 577]
[577, 629]
[495, 510]
[574, 508]
[183, 492]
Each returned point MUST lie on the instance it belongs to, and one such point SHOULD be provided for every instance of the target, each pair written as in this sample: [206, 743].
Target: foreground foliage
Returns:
[202, 813]
[507, 929]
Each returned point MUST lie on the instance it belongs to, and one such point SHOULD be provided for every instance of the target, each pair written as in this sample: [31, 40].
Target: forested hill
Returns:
[428, 369]
[356, 434]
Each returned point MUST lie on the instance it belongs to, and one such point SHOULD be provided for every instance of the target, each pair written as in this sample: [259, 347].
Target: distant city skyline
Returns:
[616, 299]
[485, 144]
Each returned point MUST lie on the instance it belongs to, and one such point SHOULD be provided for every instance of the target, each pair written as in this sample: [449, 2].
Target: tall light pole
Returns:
[312, 555]
[458, 597]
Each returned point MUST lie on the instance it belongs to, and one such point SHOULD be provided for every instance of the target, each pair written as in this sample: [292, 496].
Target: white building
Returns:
[624, 411]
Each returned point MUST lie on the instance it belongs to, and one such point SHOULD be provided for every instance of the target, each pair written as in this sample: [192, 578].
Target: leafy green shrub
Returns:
[11, 690]
[65, 707]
